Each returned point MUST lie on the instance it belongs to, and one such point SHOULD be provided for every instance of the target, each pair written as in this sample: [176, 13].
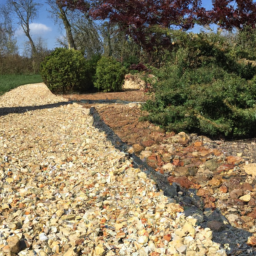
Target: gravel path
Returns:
[66, 190]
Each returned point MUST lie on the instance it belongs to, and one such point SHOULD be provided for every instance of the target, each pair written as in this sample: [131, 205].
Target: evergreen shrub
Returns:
[130, 60]
[207, 100]
[109, 75]
[204, 88]
[90, 71]
[63, 70]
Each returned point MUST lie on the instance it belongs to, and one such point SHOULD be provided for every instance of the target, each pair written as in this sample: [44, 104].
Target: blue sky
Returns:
[43, 26]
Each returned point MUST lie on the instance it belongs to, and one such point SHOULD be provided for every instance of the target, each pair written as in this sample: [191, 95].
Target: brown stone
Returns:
[252, 202]
[252, 214]
[204, 153]
[246, 218]
[181, 171]
[235, 201]
[154, 254]
[198, 144]
[236, 193]
[184, 182]
[223, 189]
[79, 241]
[166, 157]
[251, 241]
[214, 182]
[216, 152]
[247, 186]
[233, 183]
[147, 143]
[234, 160]
[204, 192]
[157, 136]
[169, 134]
[225, 167]
[152, 161]
[176, 162]
[137, 148]
[167, 237]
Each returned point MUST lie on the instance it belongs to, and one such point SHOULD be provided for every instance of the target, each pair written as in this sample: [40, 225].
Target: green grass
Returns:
[9, 82]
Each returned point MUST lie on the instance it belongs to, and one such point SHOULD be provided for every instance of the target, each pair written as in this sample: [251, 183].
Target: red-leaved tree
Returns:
[135, 17]
[230, 14]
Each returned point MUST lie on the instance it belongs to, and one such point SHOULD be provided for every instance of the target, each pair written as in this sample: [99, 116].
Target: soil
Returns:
[127, 95]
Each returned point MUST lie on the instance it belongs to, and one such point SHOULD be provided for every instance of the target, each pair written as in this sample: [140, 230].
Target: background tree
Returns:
[60, 11]
[8, 43]
[26, 11]
[136, 16]
[87, 35]
[229, 14]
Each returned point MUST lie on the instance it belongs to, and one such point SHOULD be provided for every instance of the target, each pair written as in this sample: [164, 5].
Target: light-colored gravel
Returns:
[29, 95]
[66, 190]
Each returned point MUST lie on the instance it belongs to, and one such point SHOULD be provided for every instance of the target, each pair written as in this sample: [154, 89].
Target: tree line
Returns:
[118, 28]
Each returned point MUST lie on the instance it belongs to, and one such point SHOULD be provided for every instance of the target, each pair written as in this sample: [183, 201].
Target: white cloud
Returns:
[35, 29]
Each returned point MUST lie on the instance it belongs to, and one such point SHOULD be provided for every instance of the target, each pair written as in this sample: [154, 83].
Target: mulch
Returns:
[127, 95]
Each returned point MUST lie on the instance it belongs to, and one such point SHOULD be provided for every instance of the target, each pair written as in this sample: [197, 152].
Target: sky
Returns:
[44, 26]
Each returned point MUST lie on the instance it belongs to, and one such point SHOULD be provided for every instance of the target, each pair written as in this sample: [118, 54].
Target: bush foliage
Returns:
[90, 71]
[204, 89]
[109, 75]
[64, 70]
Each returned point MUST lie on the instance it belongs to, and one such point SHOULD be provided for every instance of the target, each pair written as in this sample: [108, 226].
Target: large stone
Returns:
[145, 154]
[212, 164]
[245, 198]
[250, 169]
[14, 244]
[214, 182]
[99, 251]
[136, 82]
[169, 167]
[181, 138]
[251, 241]
[234, 160]
[181, 172]
[137, 148]
[148, 143]
[232, 217]
[236, 193]
[133, 82]
[184, 182]
[215, 225]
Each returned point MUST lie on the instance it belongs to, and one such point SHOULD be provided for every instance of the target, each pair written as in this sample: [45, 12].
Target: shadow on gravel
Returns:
[6, 111]
[231, 238]
[104, 101]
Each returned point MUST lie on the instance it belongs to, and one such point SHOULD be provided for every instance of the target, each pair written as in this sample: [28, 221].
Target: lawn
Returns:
[9, 82]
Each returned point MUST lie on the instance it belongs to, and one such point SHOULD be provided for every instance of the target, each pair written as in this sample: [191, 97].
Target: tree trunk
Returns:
[63, 16]
[110, 51]
[33, 47]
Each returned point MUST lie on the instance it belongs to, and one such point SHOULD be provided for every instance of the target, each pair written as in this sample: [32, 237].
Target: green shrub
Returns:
[109, 75]
[90, 71]
[207, 100]
[130, 60]
[63, 70]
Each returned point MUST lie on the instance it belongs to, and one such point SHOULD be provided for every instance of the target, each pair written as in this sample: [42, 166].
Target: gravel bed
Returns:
[65, 189]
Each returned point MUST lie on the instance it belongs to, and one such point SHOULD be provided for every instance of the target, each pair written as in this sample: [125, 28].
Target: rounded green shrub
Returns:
[109, 75]
[90, 67]
[64, 70]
